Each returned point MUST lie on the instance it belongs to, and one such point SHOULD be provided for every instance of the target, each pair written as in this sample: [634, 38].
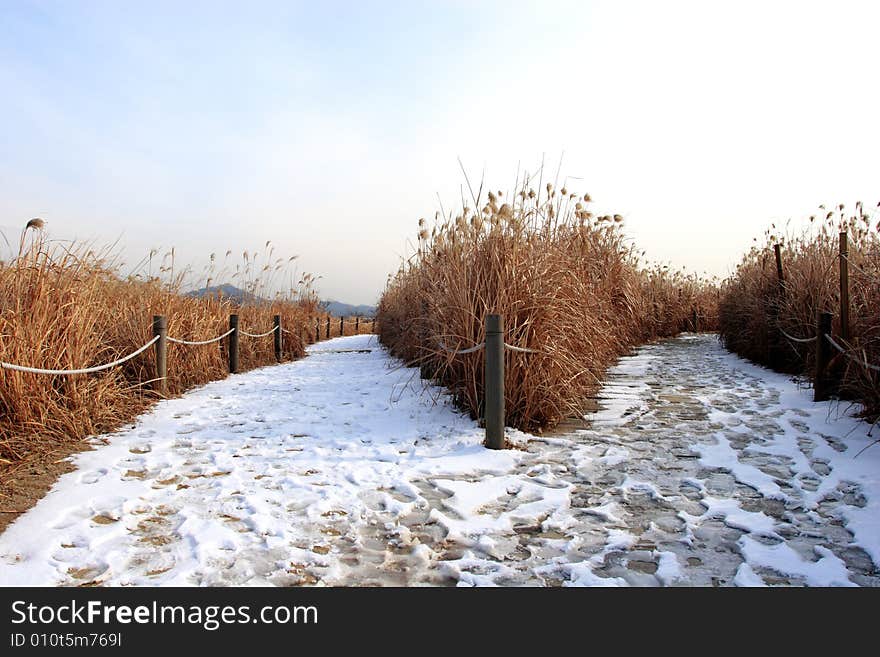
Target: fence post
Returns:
[776, 346]
[777, 249]
[233, 344]
[494, 383]
[844, 286]
[160, 328]
[277, 320]
[821, 380]
[341, 326]
[357, 324]
[328, 327]
[317, 330]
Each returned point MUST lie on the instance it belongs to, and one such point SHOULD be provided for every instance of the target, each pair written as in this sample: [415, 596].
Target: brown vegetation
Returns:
[68, 307]
[567, 282]
[755, 306]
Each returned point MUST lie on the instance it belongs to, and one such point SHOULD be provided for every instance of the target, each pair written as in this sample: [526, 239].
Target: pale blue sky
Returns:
[329, 128]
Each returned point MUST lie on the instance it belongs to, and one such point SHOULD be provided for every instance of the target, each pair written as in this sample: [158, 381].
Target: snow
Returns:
[841, 438]
[722, 455]
[345, 469]
[828, 570]
[746, 577]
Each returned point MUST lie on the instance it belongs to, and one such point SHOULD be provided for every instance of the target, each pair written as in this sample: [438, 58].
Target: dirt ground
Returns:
[24, 483]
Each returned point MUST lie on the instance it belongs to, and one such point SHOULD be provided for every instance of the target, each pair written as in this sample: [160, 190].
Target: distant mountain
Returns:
[226, 290]
[339, 309]
[335, 308]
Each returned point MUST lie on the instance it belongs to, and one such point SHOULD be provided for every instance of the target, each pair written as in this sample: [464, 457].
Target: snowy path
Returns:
[701, 469]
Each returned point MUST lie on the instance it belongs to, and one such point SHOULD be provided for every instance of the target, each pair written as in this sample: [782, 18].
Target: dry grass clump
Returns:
[67, 307]
[754, 306]
[567, 283]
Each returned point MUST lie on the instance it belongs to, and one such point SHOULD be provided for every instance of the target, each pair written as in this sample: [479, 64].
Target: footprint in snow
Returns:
[93, 476]
[71, 518]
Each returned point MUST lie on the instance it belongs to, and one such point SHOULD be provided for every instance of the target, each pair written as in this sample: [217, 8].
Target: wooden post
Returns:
[233, 344]
[776, 347]
[844, 287]
[494, 383]
[160, 328]
[328, 327]
[777, 249]
[277, 336]
[821, 380]
[357, 324]
[317, 330]
[341, 326]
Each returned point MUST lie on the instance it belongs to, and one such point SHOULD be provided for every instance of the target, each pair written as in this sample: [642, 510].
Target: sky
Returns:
[330, 128]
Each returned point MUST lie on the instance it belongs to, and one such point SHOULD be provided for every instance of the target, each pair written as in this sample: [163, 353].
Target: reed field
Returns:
[66, 306]
[755, 307]
[568, 283]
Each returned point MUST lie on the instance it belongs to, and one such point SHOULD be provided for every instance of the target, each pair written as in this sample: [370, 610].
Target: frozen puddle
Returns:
[338, 469]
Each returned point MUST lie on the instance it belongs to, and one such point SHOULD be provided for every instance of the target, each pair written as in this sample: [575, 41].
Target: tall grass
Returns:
[754, 307]
[567, 282]
[69, 306]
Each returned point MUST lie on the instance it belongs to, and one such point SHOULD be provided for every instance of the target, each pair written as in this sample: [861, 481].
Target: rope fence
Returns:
[493, 403]
[522, 350]
[794, 339]
[848, 355]
[160, 338]
[85, 370]
[470, 350]
[850, 261]
[494, 347]
[327, 323]
[257, 335]
[199, 342]
[459, 352]
[824, 378]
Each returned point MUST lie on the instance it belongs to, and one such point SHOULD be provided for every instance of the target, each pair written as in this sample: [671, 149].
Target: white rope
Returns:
[522, 350]
[794, 339]
[863, 363]
[859, 269]
[462, 351]
[258, 335]
[851, 357]
[471, 350]
[834, 344]
[87, 370]
[195, 342]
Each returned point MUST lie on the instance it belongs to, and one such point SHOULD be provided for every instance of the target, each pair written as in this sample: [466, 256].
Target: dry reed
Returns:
[567, 282]
[754, 306]
[68, 306]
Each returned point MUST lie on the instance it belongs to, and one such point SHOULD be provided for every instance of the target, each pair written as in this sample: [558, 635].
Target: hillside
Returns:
[226, 290]
[335, 308]
[340, 309]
